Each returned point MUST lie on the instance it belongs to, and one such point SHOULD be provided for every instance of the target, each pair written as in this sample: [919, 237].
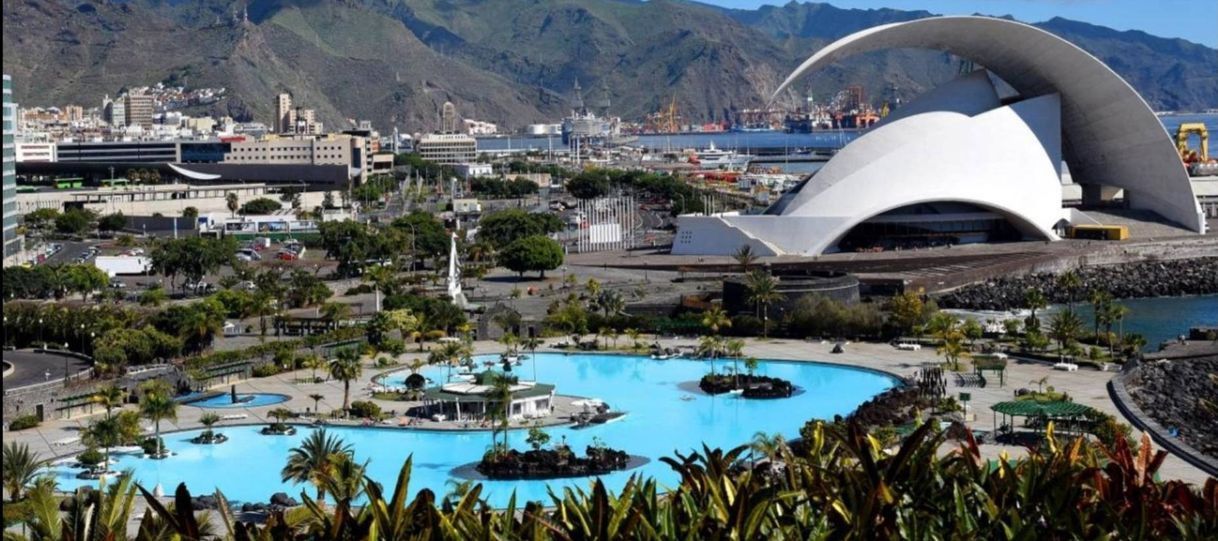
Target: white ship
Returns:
[715, 158]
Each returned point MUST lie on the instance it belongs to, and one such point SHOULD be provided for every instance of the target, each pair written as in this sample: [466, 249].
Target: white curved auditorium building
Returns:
[973, 160]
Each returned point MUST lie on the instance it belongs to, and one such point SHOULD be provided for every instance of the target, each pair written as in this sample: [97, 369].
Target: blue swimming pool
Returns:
[253, 400]
[662, 418]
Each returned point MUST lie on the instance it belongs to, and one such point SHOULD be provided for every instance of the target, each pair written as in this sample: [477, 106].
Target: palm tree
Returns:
[157, 405]
[314, 460]
[769, 446]
[110, 397]
[1069, 281]
[715, 319]
[334, 312]
[1034, 299]
[1101, 310]
[633, 334]
[104, 433]
[346, 368]
[594, 288]
[1118, 315]
[952, 348]
[709, 346]
[501, 389]
[208, 420]
[231, 201]
[735, 350]
[20, 466]
[344, 480]
[763, 290]
[316, 400]
[745, 256]
[1065, 328]
[751, 364]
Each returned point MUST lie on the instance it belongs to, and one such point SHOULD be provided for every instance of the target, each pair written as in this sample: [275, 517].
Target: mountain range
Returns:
[512, 62]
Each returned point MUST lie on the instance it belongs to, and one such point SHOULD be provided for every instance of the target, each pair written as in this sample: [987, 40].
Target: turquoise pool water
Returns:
[244, 401]
[659, 422]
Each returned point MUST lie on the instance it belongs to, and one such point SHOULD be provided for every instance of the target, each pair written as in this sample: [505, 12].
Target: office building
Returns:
[139, 110]
[12, 217]
[447, 148]
[285, 117]
[116, 114]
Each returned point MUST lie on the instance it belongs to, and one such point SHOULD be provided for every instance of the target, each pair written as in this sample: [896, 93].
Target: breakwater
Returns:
[1166, 278]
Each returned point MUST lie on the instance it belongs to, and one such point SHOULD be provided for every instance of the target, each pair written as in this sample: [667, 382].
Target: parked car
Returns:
[286, 256]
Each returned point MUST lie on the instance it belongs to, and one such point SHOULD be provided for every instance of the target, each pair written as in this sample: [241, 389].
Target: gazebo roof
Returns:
[1057, 409]
[473, 393]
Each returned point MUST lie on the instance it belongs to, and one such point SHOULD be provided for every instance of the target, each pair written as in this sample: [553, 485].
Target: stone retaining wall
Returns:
[1118, 390]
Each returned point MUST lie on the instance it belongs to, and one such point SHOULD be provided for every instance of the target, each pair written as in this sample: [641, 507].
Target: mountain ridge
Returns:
[512, 62]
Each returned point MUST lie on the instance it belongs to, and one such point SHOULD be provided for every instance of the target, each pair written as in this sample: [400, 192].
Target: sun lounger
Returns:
[66, 441]
[234, 417]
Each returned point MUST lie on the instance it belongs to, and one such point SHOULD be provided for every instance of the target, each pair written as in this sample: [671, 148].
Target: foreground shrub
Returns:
[23, 422]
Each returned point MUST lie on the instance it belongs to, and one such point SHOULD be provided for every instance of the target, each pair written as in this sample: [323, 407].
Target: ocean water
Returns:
[1160, 319]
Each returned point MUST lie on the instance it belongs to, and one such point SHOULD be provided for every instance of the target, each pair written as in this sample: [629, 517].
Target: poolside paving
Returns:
[1084, 386]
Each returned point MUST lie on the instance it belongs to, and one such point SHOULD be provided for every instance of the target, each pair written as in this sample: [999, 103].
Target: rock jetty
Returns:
[1124, 281]
[1182, 395]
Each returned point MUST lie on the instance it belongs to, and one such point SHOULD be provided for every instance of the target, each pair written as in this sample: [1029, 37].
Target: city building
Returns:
[473, 170]
[545, 129]
[448, 118]
[73, 113]
[117, 151]
[36, 152]
[285, 117]
[12, 217]
[972, 161]
[139, 110]
[478, 127]
[116, 113]
[447, 148]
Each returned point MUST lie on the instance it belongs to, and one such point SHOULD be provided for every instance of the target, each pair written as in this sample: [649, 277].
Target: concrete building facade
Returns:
[447, 148]
[139, 109]
[12, 216]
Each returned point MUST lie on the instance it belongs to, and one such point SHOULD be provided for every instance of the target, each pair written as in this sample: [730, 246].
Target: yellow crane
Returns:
[1187, 129]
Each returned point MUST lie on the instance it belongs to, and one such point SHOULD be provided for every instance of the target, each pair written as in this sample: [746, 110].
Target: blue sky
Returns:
[1194, 20]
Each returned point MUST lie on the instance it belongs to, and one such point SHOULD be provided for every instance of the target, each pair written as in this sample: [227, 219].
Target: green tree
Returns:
[501, 228]
[112, 222]
[715, 319]
[346, 368]
[1065, 329]
[315, 459]
[21, 467]
[232, 202]
[535, 253]
[157, 404]
[745, 256]
[260, 205]
[1034, 299]
[190, 213]
[153, 297]
[763, 291]
[908, 311]
[538, 438]
[74, 221]
[588, 185]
